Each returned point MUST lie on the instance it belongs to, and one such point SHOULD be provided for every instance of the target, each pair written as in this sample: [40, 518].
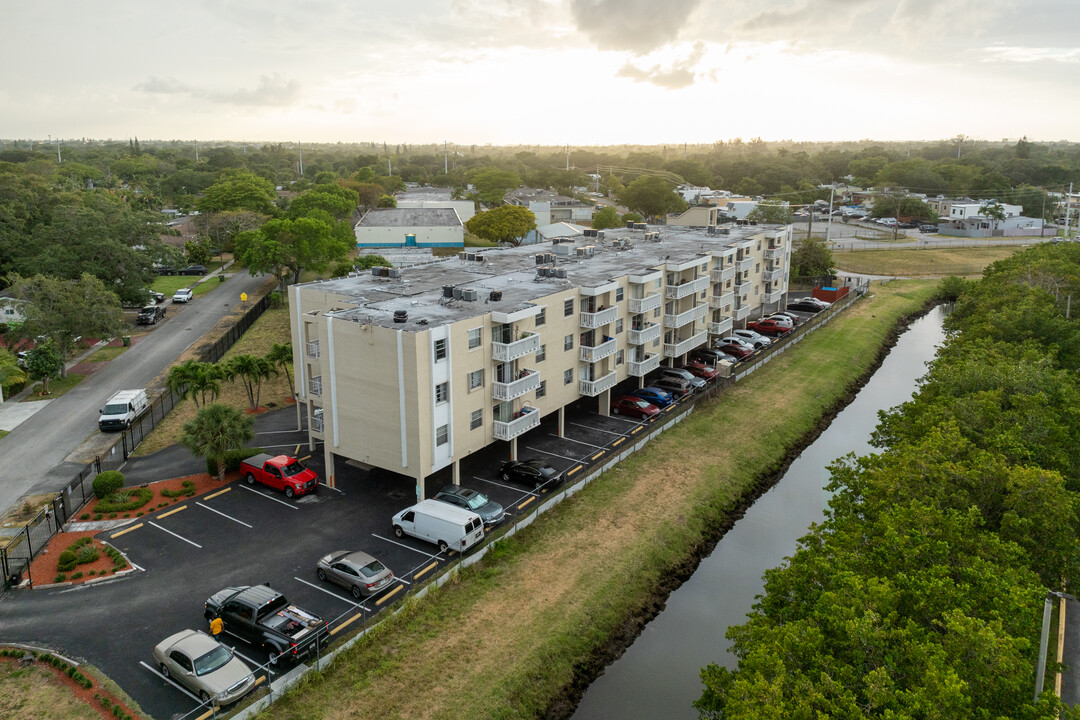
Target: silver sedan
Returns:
[356, 571]
[204, 666]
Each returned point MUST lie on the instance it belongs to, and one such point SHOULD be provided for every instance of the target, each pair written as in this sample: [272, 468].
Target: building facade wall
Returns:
[426, 236]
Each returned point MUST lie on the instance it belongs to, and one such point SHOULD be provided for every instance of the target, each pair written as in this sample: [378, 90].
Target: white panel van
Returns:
[447, 526]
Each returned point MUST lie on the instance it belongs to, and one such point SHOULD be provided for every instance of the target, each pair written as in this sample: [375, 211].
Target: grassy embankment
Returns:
[933, 262]
[507, 638]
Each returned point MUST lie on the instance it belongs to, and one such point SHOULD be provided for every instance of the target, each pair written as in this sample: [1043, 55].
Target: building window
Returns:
[542, 390]
[475, 337]
[442, 435]
[619, 358]
[757, 268]
[541, 353]
[618, 293]
[476, 419]
[442, 392]
[440, 350]
[542, 317]
[758, 244]
[618, 325]
[568, 307]
[476, 379]
[567, 377]
[656, 312]
[568, 342]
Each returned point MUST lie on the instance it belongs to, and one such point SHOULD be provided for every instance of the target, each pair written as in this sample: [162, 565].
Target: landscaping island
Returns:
[523, 632]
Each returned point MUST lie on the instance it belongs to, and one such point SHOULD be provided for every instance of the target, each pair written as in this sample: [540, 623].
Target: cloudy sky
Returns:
[582, 72]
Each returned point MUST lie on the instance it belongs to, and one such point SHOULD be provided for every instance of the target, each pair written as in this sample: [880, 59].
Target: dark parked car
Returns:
[165, 270]
[534, 473]
[676, 386]
[657, 396]
[194, 270]
[700, 369]
[681, 374]
[805, 305]
[907, 225]
[735, 349]
[359, 573]
[634, 407]
[928, 228]
[150, 314]
[491, 512]
[711, 357]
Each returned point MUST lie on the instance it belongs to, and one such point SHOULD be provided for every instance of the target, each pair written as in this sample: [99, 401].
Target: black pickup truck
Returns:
[261, 616]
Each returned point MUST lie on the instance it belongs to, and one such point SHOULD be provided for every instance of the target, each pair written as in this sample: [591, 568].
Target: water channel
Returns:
[658, 676]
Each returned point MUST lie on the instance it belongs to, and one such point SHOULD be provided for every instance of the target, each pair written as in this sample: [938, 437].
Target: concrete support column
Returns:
[513, 449]
[604, 399]
[419, 489]
[562, 421]
[455, 470]
[328, 459]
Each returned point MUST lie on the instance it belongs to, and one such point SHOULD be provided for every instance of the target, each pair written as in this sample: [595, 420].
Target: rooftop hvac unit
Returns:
[600, 234]
[640, 226]
[457, 292]
[495, 295]
[394, 272]
[630, 224]
[401, 316]
[469, 294]
[375, 271]
[384, 272]
[463, 255]
[448, 291]
[541, 258]
[563, 250]
[725, 231]
[589, 232]
[711, 230]
[560, 272]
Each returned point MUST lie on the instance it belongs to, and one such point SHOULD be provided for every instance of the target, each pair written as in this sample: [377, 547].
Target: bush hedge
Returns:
[108, 482]
[232, 460]
[124, 500]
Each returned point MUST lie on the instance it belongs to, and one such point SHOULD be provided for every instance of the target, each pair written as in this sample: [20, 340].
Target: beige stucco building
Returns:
[413, 369]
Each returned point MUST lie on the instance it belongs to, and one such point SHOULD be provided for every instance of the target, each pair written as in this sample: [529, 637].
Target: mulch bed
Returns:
[91, 696]
[43, 569]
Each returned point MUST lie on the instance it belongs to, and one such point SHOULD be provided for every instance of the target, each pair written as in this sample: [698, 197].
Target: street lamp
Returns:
[1040, 669]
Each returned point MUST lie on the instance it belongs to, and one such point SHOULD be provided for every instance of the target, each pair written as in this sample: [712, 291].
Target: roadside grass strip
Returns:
[125, 530]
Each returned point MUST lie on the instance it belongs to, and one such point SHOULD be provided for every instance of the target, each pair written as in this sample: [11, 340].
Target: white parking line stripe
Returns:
[270, 498]
[172, 682]
[405, 546]
[547, 452]
[222, 514]
[261, 666]
[496, 484]
[180, 537]
[330, 593]
[598, 447]
[609, 432]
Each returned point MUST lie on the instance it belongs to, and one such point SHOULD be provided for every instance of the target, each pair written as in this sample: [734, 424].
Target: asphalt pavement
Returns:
[36, 450]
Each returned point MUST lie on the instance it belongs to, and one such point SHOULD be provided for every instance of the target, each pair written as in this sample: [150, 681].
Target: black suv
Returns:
[150, 314]
[490, 512]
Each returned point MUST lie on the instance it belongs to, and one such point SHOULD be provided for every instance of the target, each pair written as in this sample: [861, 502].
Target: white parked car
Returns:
[204, 666]
[182, 295]
[754, 338]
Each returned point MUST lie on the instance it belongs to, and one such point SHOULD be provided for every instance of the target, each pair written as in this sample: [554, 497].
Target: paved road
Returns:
[35, 451]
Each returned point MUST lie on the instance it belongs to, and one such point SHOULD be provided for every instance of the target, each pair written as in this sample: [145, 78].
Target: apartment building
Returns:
[413, 369]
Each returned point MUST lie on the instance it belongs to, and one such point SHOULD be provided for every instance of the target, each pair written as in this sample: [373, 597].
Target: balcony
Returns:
[774, 253]
[646, 334]
[505, 352]
[315, 385]
[682, 347]
[695, 313]
[743, 289]
[723, 275]
[719, 302]
[742, 313]
[519, 425]
[313, 349]
[592, 388]
[644, 367]
[317, 420]
[770, 275]
[721, 328]
[598, 352]
[693, 287]
[645, 304]
[772, 297]
[599, 319]
[529, 381]
[745, 264]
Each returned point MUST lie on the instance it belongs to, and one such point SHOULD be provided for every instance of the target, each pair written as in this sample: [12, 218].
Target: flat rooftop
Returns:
[410, 217]
[514, 272]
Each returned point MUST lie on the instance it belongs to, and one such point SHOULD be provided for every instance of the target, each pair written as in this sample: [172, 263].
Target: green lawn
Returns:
[57, 387]
[932, 262]
[105, 354]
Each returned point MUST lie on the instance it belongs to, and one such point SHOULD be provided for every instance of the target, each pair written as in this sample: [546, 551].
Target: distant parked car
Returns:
[204, 666]
[805, 305]
[634, 407]
[771, 326]
[676, 386]
[735, 348]
[149, 315]
[781, 315]
[194, 270]
[182, 295]
[533, 473]
[681, 374]
[907, 225]
[491, 512]
[356, 571]
[165, 270]
[928, 228]
[711, 357]
[657, 396]
[700, 369]
[754, 338]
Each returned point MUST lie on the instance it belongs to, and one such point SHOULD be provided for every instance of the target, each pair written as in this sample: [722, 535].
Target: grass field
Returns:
[505, 638]
[57, 387]
[106, 353]
[936, 262]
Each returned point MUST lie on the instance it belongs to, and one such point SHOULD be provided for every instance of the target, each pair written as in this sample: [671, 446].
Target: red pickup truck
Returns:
[281, 473]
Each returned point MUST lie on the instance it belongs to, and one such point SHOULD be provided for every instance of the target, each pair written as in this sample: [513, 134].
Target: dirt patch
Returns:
[85, 368]
[35, 687]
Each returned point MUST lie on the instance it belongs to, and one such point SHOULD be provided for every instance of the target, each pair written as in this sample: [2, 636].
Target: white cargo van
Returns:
[447, 526]
[123, 409]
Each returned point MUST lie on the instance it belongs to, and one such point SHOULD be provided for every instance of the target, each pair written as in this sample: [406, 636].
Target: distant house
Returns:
[431, 197]
[410, 228]
[976, 226]
[10, 310]
[550, 207]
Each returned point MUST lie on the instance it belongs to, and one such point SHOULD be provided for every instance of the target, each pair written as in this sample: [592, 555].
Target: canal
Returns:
[658, 676]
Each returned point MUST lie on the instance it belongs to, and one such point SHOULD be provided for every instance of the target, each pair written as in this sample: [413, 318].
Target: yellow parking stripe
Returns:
[343, 625]
[531, 498]
[208, 713]
[386, 597]
[618, 442]
[306, 457]
[172, 512]
[598, 455]
[418, 574]
[636, 430]
[219, 492]
[297, 450]
[125, 530]
[259, 680]
[573, 470]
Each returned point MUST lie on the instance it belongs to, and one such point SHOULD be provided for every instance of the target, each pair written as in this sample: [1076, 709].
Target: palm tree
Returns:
[266, 370]
[995, 212]
[206, 378]
[281, 355]
[180, 379]
[252, 371]
[215, 431]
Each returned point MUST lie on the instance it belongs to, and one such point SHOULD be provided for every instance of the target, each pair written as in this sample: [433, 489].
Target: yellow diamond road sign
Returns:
[243, 297]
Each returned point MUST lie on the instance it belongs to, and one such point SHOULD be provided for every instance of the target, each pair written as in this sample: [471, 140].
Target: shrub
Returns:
[129, 499]
[76, 576]
[233, 458]
[88, 554]
[187, 489]
[61, 577]
[84, 516]
[98, 516]
[67, 560]
[107, 483]
[81, 542]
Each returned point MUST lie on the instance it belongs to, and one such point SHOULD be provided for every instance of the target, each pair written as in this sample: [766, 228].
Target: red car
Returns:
[634, 407]
[700, 369]
[769, 326]
[738, 350]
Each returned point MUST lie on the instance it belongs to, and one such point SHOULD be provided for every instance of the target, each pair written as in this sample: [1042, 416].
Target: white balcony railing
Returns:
[675, 292]
[742, 313]
[521, 424]
[723, 327]
[743, 289]
[599, 352]
[772, 297]
[313, 349]
[646, 334]
[682, 347]
[513, 350]
[599, 319]
[645, 304]
[695, 313]
[529, 381]
[315, 385]
[592, 388]
[317, 420]
[719, 302]
[643, 367]
[770, 275]
[723, 275]
[774, 253]
[744, 264]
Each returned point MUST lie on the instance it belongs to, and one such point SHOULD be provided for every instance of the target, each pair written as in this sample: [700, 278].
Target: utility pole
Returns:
[567, 158]
[301, 151]
[1068, 209]
[58, 158]
[828, 225]
[196, 151]
[445, 159]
